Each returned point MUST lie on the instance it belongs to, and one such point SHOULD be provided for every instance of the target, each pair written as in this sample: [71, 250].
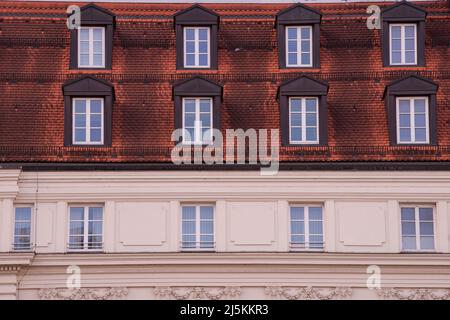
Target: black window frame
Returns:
[298, 15]
[88, 87]
[94, 16]
[403, 12]
[196, 16]
[303, 86]
[411, 86]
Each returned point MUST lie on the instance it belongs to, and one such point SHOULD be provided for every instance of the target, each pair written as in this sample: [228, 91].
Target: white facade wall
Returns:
[142, 258]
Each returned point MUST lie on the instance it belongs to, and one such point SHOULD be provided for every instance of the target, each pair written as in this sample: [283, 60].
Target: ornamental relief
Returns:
[414, 294]
[83, 293]
[197, 293]
[308, 293]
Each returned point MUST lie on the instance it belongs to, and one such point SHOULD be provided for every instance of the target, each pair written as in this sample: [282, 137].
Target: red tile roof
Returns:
[34, 62]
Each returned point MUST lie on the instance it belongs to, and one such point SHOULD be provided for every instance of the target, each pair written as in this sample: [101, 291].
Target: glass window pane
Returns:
[84, 34]
[298, 239]
[306, 46]
[203, 59]
[410, 57]
[95, 242]
[80, 120]
[96, 135]
[305, 33]
[84, 59]
[409, 243]
[405, 121]
[95, 227]
[76, 213]
[409, 31]
[22, 229]
[189, 134]
[296, 105]
[426, 229]
[409, 44]
[315, 227]
[80, 106]
[203, 47]
[188, 227]
[396, 32]
[190, 46]
[189, 119]
[404, 106]
[315, 241]
[408, 228]
[405, 135]
[190, 34]
[427, 243]
[98, 59]
[297, 227]
[205, 119]
[292, 58]
[206, 227]
[315, 213]
[190, 59]
[23, 214]
[310, 105]
[76, 227]
[306, 58]
[396, 44]
[80, 135]
[96, 120]
[311, 119]
[420, 135]
[292, 46]
[408, 214]
[419, 105]
[95, 213]
[419, 120]
[311, 134]
[188, 212]
[98, 34]
[396, 57]
[292, 33]
[206, 212]
[205, 105]
[189, 105]
[296, 119]
[203, 34]
[84, 47]
[76, 242]
[426, 214]
[296, 134]
[297, 213]
[98, 47]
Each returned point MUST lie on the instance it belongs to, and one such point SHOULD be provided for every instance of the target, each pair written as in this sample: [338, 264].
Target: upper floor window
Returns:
[306, 227]
[91, 47]
[196, 30]
[304, 120]
[85, 227]
[22, 228]
[403, 40]
[417, 228]
[412, 122]
[403, 35]
[303, 112]
[298, 46]
[196, 47]
[298, 35]
[197, 227]
[88, 121]
[91, 44]
[197, 120]
[88, 104]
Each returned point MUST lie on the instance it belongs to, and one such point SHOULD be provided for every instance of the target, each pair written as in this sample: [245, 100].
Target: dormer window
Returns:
[91, 44]
[298, 33]
[196, 38]
[403, 35]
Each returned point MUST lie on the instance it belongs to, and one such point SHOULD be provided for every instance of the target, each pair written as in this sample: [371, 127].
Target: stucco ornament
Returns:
[414, 294]
[308, 293]
[83, 293]
[197, 293]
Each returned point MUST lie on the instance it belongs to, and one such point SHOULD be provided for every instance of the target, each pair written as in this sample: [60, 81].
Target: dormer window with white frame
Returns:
[197, 47]
[299, 46]
[403, 44]
[91, 47]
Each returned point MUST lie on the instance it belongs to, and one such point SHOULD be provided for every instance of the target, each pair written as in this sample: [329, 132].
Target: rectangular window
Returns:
[303, 121]
[299, 46]
[417, 228]
[88, 121]
[85, 228]
[197, 227]
[403, 44]
[306, 227]
[412, 120]
[196, 47]
[197, 120]
[22, 228]
[91, 47]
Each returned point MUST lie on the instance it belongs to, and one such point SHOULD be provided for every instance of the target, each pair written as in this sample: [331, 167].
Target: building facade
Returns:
[93, 205]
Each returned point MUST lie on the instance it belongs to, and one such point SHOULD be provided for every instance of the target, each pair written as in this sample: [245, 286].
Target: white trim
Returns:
[402, 45]
[88, 122]
[412, 125]
[197, 122]
[196, 47]
[31, 235]
[299, 46]
[197, 207]
[303, 123]
[91, 48]
[85, 227]
[417, 226]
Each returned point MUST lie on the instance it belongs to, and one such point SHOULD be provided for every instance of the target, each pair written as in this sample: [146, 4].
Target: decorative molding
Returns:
[414, 294]
[197, 293]
[83, 293]
[308, 293]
